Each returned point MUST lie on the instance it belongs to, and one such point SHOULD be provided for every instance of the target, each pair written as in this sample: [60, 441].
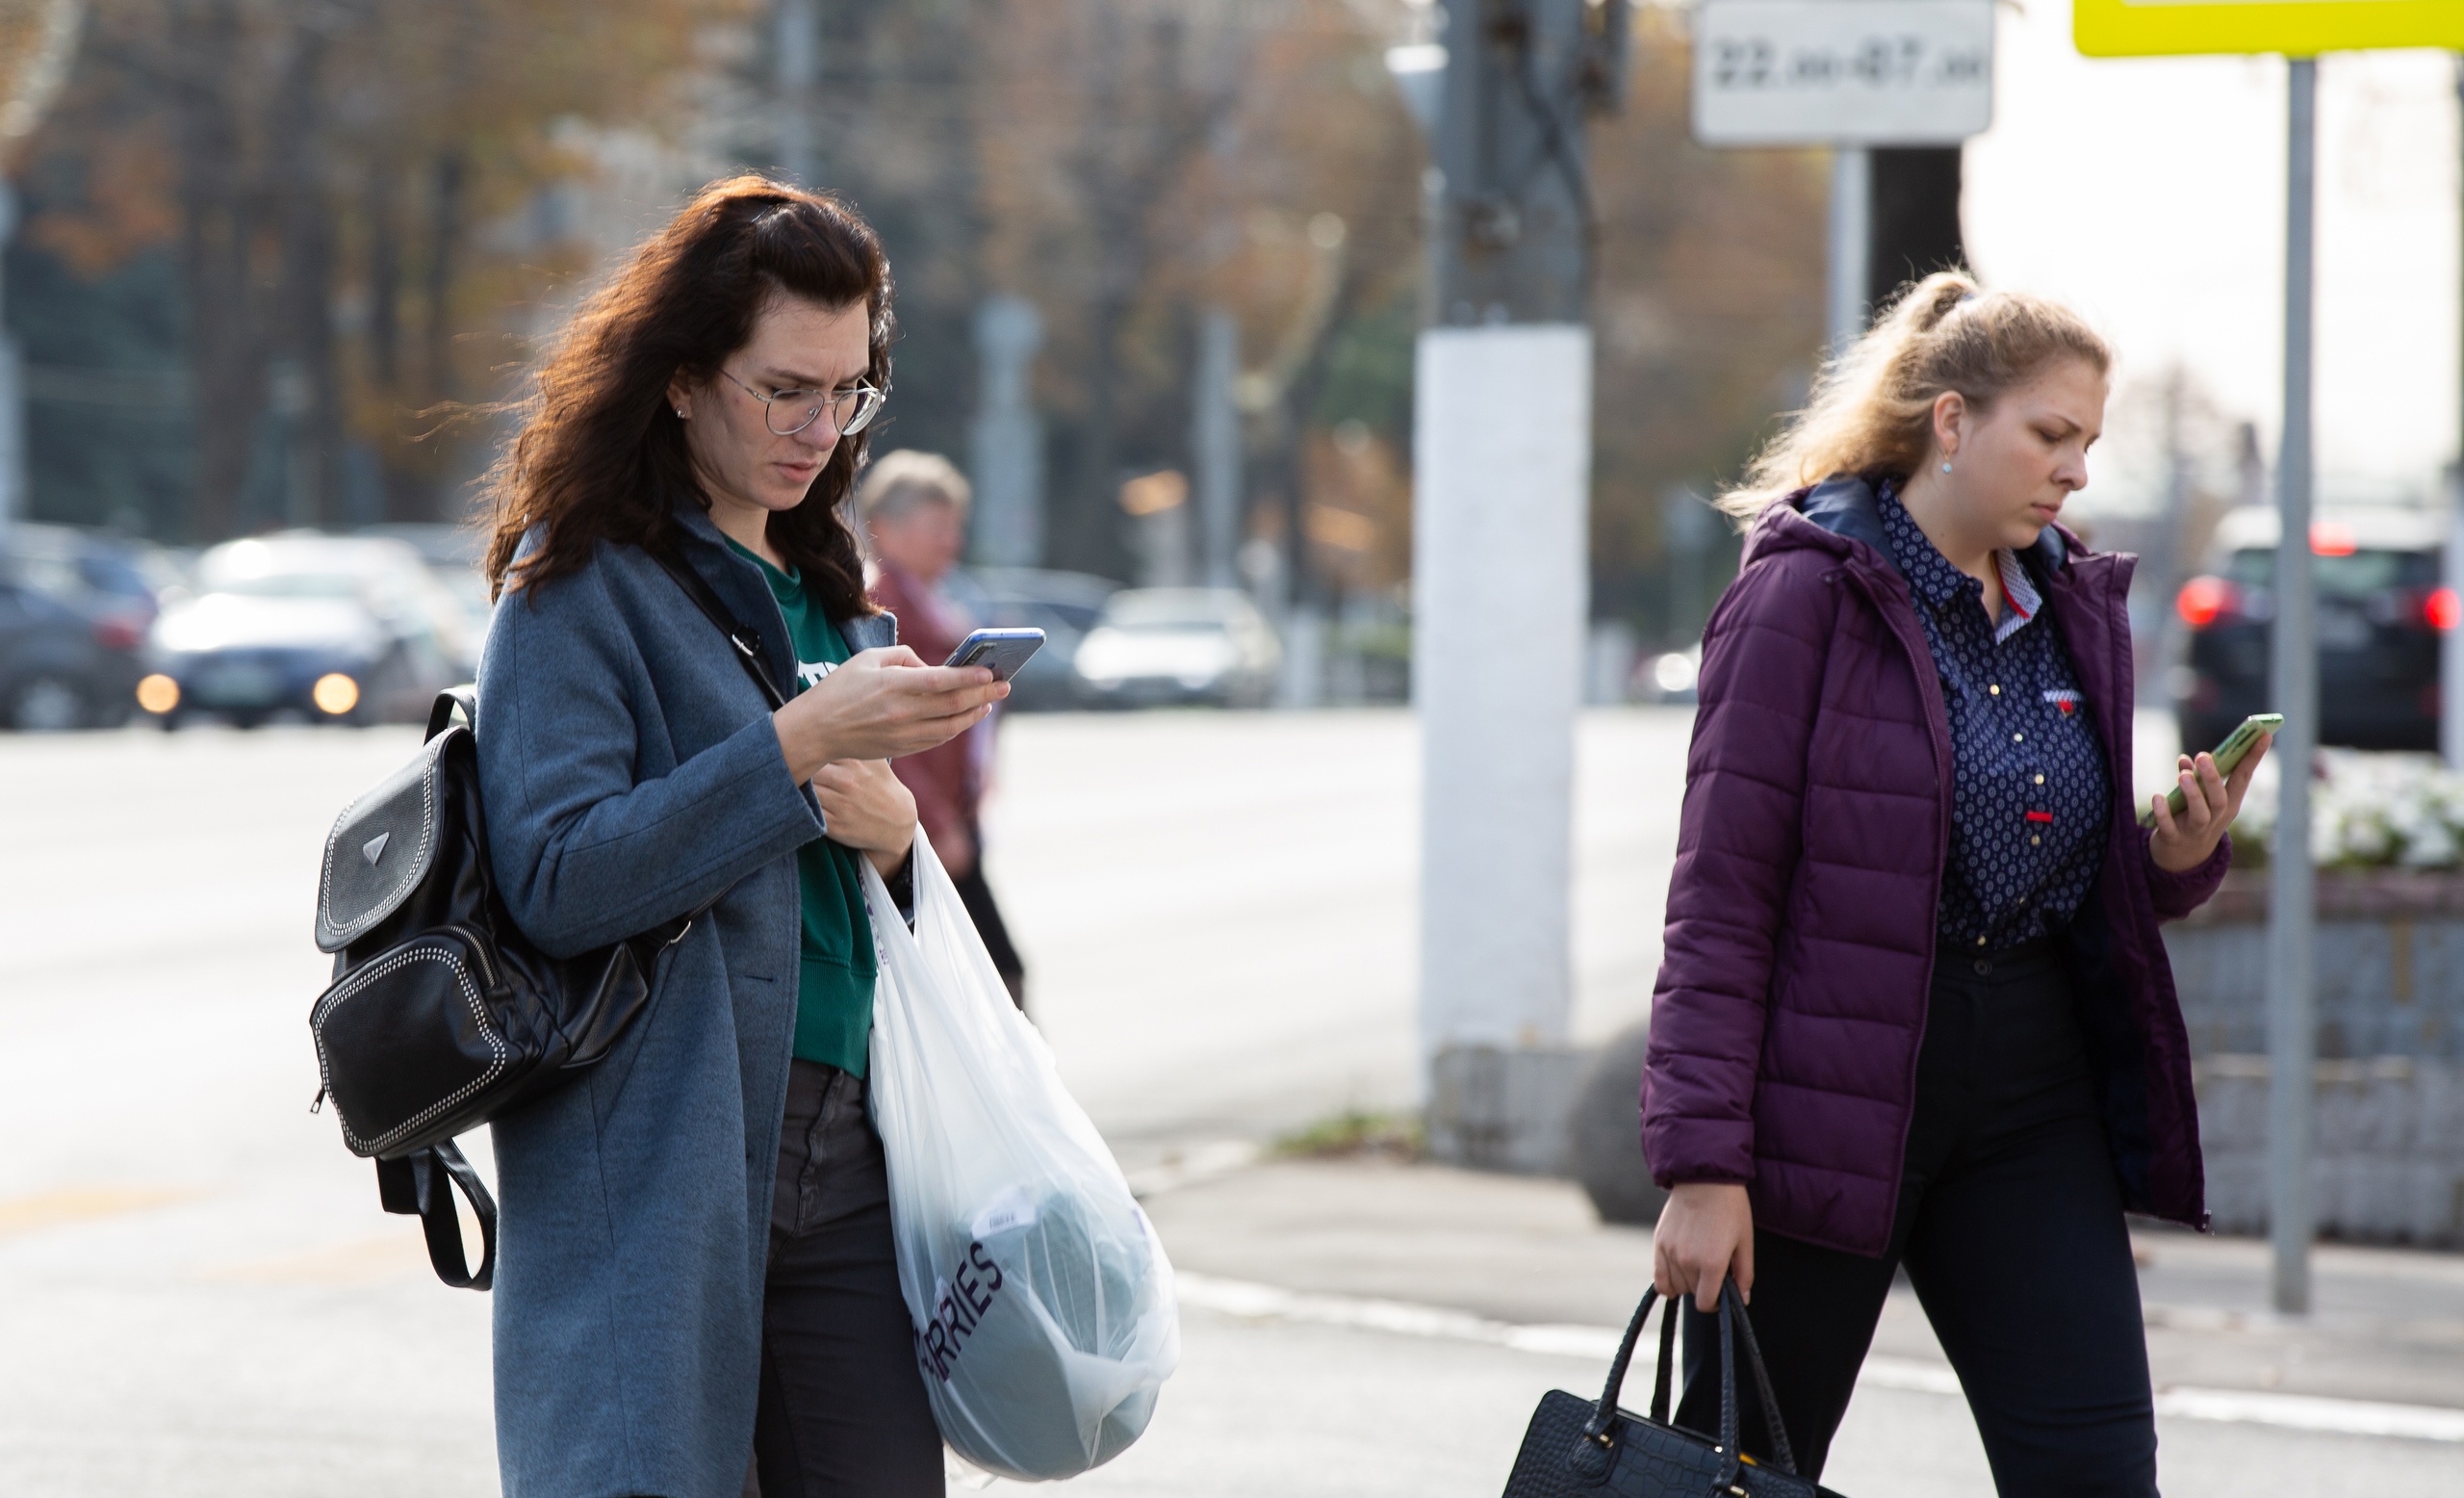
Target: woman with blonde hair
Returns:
[1914, 1012]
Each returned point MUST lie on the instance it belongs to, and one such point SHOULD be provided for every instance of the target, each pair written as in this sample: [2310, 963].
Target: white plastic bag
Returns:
[1042, 1303]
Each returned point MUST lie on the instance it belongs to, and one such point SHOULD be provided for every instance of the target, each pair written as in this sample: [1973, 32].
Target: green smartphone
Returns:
[2229, 755]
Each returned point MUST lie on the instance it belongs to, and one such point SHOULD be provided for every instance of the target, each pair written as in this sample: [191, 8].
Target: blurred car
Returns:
[331, 628]
[2382, 609]
[1179, 645]
[1669, 677]
[74, 610]
[457, 556]
[1064, 604]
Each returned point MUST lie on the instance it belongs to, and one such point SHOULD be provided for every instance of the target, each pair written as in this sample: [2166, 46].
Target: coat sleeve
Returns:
[585, 854]
[1740, 838]
[2176, 895]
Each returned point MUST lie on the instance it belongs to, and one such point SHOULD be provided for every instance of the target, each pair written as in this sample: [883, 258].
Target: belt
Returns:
[1962, 960]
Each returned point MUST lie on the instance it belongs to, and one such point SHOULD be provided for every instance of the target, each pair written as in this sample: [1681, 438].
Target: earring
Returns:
[679, 416]
[1946, 462]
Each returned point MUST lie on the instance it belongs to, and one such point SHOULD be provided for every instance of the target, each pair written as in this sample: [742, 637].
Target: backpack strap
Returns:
[421, 1184]
[439, 713]
[748, 644]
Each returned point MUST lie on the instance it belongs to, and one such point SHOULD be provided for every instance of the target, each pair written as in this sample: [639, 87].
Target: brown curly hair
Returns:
[599, 454]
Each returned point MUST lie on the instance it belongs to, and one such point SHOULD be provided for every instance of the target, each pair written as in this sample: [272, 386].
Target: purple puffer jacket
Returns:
[1800, 942]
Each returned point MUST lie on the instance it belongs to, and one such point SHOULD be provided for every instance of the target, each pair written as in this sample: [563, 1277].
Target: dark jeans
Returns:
[843, 1412]
[2010, 1225]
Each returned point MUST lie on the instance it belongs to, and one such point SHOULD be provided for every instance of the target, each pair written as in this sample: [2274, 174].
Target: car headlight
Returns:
[334, 694]
[1674, 672]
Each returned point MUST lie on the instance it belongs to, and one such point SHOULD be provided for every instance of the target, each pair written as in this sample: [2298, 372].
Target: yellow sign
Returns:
[2295, 28]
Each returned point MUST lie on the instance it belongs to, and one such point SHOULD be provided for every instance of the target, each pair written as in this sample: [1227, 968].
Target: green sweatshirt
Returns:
[835, 976]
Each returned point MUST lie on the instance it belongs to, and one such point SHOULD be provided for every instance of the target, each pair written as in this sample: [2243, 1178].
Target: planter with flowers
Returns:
[2387, 833]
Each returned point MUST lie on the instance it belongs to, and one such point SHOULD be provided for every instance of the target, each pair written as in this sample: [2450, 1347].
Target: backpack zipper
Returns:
[478, 947]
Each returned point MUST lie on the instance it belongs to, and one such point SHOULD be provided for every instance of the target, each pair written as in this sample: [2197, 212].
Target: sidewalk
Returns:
[1359, 1325]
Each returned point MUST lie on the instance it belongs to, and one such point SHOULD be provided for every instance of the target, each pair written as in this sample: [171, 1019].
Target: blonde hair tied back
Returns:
[1872, 407]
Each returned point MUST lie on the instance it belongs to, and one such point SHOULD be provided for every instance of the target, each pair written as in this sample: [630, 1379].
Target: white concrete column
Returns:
[1503, 471]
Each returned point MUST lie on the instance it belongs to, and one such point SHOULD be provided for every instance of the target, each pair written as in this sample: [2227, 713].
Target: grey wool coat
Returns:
[631, 772]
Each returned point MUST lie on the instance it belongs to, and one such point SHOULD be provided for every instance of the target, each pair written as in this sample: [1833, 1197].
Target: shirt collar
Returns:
[2020, 601]
[1931, 576]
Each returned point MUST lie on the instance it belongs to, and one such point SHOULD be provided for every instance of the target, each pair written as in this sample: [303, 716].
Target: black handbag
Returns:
[1576, 1447]
[441, 1014]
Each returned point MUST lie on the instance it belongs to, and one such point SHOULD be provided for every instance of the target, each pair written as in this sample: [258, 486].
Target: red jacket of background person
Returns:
[947, 780]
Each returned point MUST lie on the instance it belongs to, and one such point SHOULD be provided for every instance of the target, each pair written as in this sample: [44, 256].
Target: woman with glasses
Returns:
[696, 1274]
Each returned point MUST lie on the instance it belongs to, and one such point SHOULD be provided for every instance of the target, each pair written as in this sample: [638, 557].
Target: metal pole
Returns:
[1852, 243]
[2450, 652]
[2291, 1037]
[13, 504]
[799, 43]
[1214, 446]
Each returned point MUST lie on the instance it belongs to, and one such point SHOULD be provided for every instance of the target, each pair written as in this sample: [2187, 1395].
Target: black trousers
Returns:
[2010, 1225]
[843, 1412]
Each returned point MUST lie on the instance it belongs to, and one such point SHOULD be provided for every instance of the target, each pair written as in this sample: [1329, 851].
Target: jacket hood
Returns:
[1840, 514]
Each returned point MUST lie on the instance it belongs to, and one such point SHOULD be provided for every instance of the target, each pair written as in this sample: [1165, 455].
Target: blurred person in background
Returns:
[914, 506]
[1914, 1010]
[696, 1275]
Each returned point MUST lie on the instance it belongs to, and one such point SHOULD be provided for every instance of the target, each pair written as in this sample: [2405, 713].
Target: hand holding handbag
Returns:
[1574, 1447]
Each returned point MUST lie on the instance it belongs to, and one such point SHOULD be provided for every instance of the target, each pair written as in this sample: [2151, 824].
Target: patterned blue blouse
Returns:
[2029, 793]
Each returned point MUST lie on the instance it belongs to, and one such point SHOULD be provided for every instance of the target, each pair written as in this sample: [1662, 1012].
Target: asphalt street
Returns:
[198, 1295]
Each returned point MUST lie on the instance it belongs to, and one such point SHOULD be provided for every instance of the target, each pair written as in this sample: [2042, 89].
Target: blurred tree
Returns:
[371, 208]
[352, 190]
[1708, 310]
[1143, 160]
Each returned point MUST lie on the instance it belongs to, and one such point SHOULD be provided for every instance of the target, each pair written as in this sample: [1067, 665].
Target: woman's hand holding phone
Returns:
[879, 705]
[2210, 802]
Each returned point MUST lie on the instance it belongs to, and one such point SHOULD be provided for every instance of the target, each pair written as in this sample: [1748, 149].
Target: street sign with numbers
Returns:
[2295, 28]
[1842, 72]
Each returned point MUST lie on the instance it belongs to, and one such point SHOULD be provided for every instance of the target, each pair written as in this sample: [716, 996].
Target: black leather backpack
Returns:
[442, 1014]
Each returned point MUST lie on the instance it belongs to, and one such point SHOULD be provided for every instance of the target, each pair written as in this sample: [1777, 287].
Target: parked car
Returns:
[1064, 604]
[2382, 609]
[456, 554]
[1179, 645]
[75, 609]
[331, 628]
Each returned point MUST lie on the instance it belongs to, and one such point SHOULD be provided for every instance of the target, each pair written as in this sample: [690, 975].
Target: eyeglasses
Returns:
[851, 410]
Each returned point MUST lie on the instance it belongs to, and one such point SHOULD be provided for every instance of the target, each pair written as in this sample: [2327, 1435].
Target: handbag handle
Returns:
[1597, 1431]
[748, 645]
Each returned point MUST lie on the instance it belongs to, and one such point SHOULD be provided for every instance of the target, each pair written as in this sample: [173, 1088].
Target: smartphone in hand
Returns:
[1004, 651]
[2229, 755]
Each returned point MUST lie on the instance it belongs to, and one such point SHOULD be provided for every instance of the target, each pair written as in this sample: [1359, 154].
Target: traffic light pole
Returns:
[1501, 479]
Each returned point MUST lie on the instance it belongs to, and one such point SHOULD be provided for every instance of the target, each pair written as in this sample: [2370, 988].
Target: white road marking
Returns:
[1402, 1318]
